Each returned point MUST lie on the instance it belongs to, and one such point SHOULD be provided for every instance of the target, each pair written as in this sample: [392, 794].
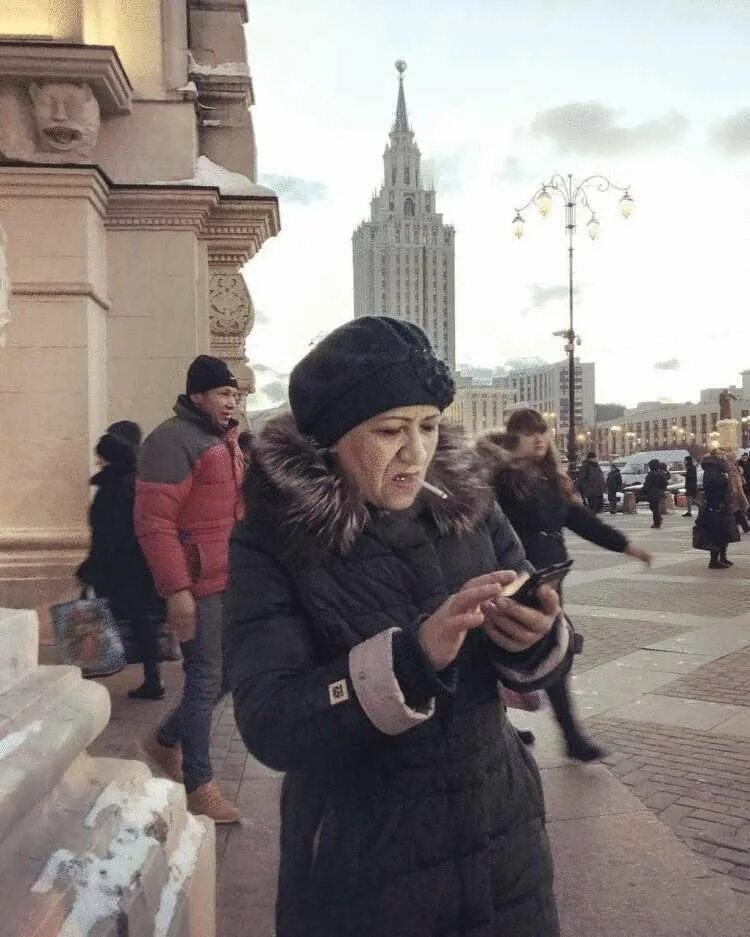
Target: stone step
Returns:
[19, 638]
[48, 719]
[121, 859]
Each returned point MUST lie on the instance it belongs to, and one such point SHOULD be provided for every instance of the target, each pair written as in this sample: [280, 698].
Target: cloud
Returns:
[261, 318]
[541, 295]
[732, 134]
[589, 127]
[673, 364]
[444, 172]
[513, 171]
[295, 189]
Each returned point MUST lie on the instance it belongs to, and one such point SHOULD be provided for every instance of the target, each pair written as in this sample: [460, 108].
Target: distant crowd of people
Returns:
[349, 575]
[723, 509]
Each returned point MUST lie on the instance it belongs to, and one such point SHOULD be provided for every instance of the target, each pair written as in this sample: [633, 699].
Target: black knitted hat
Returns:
[127, 429]
[366, 367]
[117, 450]
[207, 373]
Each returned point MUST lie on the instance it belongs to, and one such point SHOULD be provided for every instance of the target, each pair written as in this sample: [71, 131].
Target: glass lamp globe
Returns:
[544, 202]
[518, 224]
[593, 227]
[626, 205]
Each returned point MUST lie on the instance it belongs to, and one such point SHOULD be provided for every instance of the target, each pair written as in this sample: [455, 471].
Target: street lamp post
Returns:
[572, 194]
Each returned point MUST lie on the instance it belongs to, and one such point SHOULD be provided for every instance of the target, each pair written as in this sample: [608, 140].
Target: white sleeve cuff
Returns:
[555, 657]
[378, 691]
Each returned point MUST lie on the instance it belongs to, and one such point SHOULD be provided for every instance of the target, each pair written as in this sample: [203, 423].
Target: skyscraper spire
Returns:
[401, 123]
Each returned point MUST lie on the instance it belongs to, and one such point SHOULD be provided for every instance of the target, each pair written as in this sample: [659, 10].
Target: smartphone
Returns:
[524, 589]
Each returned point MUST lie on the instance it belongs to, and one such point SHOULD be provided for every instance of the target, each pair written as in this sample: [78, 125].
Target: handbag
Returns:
[168, 647]
[87, 636]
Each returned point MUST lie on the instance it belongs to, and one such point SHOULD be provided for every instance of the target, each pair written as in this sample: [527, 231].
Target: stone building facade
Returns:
[129, 207]
[657, 425]
[545, 388]
[404, 256]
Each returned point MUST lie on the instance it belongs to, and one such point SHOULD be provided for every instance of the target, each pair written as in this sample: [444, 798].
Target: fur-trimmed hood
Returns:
[299, 488]
[495, 454]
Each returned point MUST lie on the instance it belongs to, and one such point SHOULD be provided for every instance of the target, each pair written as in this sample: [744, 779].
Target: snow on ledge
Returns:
[231, 69]
[15, 740]
[208, 173]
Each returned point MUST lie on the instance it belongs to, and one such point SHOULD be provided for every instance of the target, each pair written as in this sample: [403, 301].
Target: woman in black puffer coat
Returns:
[115, 566]
[364, 655]
[537, 498]
[716, 526]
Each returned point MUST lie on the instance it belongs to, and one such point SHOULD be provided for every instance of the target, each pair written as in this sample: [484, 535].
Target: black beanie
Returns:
[127, 429]
[366, 367]
[207, 373]
[117, 450]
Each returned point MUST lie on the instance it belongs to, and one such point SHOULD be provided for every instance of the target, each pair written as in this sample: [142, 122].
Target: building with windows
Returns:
[404, 255]
[545, 388]
[655, 425]
[478, 409]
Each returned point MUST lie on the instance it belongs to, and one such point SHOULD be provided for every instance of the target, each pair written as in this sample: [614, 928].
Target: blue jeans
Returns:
[190, 722]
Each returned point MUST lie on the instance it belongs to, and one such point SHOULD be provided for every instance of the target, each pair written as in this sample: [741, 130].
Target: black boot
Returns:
[152, 687]
[577, 744]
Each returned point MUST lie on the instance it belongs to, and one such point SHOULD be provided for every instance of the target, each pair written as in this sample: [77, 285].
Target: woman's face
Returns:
[387, 456]
[532, 445]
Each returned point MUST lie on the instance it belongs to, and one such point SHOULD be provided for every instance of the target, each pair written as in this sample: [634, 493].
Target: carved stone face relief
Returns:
[66, 117]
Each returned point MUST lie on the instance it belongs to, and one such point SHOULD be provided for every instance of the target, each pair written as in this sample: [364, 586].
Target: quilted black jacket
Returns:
[437, 831]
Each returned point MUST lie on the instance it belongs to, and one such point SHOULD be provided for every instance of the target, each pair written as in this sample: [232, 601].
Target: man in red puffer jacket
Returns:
[187, 501]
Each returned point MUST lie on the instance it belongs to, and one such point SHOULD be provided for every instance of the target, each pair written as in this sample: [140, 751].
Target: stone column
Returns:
[53, 379]
[231, 318]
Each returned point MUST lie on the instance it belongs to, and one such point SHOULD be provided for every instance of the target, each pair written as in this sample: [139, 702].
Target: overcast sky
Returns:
[501, 94]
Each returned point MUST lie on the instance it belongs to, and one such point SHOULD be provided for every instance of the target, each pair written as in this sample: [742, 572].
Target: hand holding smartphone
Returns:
[524, 588]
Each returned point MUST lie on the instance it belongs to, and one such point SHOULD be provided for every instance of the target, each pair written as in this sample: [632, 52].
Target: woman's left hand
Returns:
[515, 627]
[638, 554]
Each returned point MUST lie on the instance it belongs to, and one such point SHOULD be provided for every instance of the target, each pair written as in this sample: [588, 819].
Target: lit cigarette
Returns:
[434, 490]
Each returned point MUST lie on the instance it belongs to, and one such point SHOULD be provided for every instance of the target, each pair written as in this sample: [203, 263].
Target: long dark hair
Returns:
[526, 422]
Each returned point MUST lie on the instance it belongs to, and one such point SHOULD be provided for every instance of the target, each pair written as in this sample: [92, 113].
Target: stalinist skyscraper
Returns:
[404, 255]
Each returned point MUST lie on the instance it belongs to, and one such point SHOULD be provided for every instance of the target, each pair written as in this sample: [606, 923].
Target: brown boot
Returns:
[208, 801]
[166, 759]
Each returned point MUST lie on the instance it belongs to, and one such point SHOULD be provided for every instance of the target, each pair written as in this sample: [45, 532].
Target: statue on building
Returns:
[67, 119]
[725, 407]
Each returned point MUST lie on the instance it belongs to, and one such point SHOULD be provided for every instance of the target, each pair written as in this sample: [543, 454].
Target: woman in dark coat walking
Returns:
[115, 567]
[365, 634]
[716, 526]
[691, 485]
[537, 498]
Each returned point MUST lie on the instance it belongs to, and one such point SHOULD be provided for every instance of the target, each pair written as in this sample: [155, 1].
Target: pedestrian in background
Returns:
[745, 469]
[716, 526]
[115, 567]
[614, 484]
[365, 643]
[187, 500]
[537, 498]
[654, 487]
[738, 503]
[691, 485]
[591, 483]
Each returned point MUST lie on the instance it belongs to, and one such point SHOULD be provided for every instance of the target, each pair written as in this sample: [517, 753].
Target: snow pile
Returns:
[100, 883]
[231, 69]
[208, 173]
[181, 866]
[16, 739]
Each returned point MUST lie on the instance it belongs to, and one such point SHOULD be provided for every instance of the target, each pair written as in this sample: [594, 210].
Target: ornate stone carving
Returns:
[231, 310]
[4, 286]
[66, 117]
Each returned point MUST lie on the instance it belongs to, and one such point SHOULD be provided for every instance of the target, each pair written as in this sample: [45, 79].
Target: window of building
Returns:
[393, 175]
[428, 203]
[391, 202]
[407, 175]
